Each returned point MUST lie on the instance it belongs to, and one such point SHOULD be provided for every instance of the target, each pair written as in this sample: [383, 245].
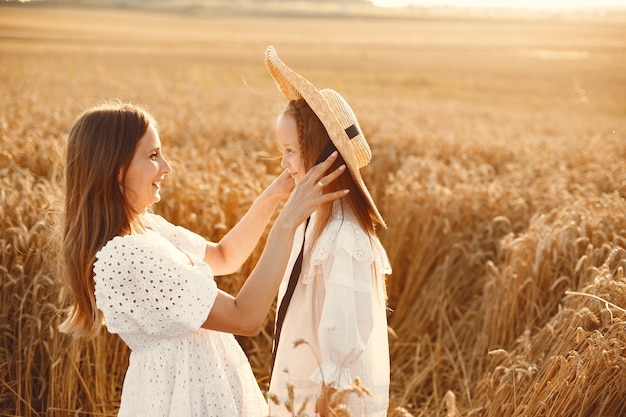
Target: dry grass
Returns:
[499, 165]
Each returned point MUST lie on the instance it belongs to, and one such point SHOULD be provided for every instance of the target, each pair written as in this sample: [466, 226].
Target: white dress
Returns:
[339, 309]
[155, 291]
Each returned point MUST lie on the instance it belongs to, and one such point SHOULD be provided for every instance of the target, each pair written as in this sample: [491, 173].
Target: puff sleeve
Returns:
[144, 284]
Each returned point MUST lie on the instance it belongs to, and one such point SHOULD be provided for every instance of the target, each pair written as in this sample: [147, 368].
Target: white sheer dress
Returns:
[339, 309]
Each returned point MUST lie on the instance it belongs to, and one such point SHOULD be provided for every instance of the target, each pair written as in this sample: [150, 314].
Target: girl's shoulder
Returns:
[343, 241]
[344, 232]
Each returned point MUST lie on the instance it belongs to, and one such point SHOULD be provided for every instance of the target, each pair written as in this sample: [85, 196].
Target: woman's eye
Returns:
[154, 156]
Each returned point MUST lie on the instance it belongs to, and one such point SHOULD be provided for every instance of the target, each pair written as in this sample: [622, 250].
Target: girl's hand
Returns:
[308, 194]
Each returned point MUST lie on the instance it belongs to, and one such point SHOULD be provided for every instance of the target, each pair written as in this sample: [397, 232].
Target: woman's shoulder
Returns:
[129, 247]
[129, 240]
[153, 219]
[154, 225]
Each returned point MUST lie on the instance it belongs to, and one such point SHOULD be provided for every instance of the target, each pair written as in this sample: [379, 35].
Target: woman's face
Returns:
[145, 172]
[287, 133]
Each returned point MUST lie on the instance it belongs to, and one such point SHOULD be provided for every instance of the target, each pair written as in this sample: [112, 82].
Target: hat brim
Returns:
[294, 87]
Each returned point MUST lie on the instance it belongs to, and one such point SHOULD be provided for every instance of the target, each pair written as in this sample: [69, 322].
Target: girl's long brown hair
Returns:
[313, 140]
[100, 148]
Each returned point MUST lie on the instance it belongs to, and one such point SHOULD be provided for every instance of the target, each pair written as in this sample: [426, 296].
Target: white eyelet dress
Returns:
[155, 291]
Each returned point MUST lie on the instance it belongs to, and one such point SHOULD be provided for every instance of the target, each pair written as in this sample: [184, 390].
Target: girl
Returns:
[338, 306]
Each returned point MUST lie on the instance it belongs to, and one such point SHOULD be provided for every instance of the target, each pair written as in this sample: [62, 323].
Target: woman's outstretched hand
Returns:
[281, 187]
[309, 194]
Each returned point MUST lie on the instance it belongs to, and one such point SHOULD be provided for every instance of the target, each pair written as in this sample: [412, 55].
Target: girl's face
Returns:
[145, 172]
[287, 133]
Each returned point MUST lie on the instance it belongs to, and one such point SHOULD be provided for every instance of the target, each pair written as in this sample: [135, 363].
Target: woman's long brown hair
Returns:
[100, 148]
[314, 141]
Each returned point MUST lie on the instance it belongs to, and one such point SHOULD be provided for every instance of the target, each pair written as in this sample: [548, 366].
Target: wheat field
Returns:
[499, 164]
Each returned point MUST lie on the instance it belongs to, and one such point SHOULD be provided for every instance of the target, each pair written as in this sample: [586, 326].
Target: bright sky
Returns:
[518, 4]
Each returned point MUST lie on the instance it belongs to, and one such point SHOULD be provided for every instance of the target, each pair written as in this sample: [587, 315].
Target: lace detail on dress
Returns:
[381, 261]
[342, 231]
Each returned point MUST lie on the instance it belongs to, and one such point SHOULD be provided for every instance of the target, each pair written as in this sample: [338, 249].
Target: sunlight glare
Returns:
[516, 4]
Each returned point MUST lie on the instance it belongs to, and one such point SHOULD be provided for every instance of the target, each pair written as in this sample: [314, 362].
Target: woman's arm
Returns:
[230, 253]
[245, 313]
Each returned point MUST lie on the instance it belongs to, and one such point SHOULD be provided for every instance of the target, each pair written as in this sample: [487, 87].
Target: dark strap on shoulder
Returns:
[284, 303]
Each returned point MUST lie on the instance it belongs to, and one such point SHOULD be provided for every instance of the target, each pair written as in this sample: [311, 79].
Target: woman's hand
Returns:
[308, 194]
[245, 314]
[280, 187]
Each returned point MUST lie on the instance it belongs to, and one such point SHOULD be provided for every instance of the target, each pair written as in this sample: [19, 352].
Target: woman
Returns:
[152, 282]
[338, 306]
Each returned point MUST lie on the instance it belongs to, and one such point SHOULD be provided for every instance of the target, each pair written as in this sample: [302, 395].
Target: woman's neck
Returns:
[138, 224]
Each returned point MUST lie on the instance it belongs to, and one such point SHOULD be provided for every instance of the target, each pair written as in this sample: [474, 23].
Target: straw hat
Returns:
[336, 116]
